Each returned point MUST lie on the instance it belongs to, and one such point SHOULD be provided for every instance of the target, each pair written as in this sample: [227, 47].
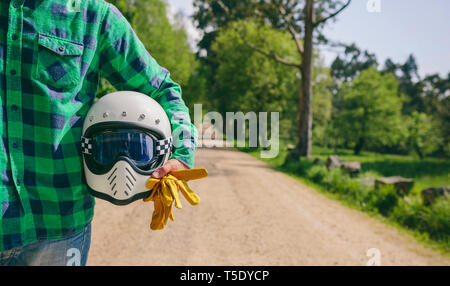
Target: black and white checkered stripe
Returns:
[86, 146]
[163, 146]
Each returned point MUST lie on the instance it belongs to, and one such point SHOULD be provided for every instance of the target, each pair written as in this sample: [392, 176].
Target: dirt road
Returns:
[250, 214]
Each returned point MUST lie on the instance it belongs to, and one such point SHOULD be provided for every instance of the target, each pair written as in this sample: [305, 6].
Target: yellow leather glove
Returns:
[165, 192]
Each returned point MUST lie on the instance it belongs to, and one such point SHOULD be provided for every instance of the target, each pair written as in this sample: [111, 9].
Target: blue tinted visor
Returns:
[137, 146]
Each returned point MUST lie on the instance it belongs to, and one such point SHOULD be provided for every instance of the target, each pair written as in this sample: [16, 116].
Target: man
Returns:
[52, 53]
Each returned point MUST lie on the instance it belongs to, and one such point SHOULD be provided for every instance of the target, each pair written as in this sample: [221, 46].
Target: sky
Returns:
[394, 29]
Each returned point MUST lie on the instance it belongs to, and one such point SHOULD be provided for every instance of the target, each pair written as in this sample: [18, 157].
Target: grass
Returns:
[430, 225]
[429, 172]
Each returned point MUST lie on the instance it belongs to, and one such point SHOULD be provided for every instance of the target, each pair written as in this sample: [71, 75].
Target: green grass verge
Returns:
[429, 172]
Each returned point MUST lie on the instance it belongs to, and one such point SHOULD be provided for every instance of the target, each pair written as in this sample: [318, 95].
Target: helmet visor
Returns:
[136, 145]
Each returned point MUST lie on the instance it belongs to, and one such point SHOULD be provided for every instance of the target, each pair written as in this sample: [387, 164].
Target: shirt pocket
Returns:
[58, 61]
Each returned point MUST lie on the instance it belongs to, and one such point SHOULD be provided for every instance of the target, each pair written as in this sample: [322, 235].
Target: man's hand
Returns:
[171, 165]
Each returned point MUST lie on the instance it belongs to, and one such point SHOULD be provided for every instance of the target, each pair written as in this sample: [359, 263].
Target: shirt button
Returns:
[14, 107]
[13, 72]
[18, 182]
[14, 37]
[16, 4]
[15, 145]
[61, 49]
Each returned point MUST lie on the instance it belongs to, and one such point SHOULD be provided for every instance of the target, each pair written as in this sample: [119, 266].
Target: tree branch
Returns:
[291, 30]
[317, 23]
[224, 7]
[271, 55]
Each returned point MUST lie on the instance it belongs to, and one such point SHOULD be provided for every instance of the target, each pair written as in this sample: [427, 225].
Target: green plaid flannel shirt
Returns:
[52, 53]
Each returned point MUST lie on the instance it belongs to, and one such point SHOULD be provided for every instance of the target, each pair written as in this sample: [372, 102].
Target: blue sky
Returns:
[402, 27]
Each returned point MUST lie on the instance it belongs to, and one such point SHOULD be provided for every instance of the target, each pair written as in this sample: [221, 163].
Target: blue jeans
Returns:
[67, 251]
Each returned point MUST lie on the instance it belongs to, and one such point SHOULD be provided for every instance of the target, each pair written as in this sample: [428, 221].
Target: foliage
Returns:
[438, 223]
[301, 18]
[211, 15]
[322, 103]
[196, 89]
[410, 86]
[431, 220]
[345, 68]
[385, 200]
[348, 65]
[428, 172]
[423, 135]
[317, 173]
[165, 41]
[371, 113]
[428, 96]
[444, 119]
[337, 182]
[248, 81]
[411, 212]
[436, 95]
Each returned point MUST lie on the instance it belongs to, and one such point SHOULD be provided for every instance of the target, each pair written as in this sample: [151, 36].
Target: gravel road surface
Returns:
[250, 214]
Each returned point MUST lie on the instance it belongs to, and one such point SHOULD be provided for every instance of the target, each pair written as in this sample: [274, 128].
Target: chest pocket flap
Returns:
[60, 46]
[59, 61]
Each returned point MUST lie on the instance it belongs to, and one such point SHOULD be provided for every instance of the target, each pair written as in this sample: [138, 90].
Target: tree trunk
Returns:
[419, 151]
[305, 105]
[359, 146]
[362, 137]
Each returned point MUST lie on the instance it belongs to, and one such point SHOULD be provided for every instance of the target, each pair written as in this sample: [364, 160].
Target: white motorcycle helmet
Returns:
[126, 137]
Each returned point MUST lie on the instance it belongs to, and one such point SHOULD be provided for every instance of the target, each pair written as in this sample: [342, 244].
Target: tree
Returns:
[345, 68]
[211, 15]
[422, 136]
[444, 117]
[166, 41]
[302, 19]
[429, 95]
[434, 90]
[350, 64]
[322, 104]
[195, 91]
[371, 114]
[410, 84]
[250, 82]
[436, 96]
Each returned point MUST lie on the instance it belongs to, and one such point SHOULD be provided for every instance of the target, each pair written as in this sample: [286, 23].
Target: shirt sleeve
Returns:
[127, 65]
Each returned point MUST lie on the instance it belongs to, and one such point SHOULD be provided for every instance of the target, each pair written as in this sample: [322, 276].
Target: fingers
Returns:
[173, 188]
[189, 194]
[151, 183]
[190, 174]
[166, 186]
[161, 215]
[158, 215]
[171, 165]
